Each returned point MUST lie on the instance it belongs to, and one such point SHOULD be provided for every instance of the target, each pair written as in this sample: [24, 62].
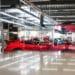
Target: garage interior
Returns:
[37, 37]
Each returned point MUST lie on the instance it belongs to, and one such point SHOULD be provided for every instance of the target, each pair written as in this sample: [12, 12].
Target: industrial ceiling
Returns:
[60, 10]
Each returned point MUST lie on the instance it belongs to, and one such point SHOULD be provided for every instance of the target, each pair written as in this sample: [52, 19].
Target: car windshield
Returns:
[35, 41]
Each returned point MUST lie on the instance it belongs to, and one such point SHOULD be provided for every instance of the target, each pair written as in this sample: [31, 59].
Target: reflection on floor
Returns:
[37, 63]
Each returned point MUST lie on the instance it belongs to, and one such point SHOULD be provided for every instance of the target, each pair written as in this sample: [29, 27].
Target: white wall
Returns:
[73, 36]
[54, 35]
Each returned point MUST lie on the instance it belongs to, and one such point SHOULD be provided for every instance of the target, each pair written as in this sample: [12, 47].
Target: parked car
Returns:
[25, 45]
[58, 41]
[28, 46]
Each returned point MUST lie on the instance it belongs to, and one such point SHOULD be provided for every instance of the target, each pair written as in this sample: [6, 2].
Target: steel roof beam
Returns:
[61, 10]
[54, 2]
[69, 16]
[55, 8]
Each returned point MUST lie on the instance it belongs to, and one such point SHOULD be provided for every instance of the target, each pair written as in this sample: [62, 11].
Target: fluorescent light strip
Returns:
[16, 18]
[63, 16]
[37, 0]
[22, 13]
[57, 5]
[52, 10]
[29, 3]
[49, 20]
[9, 15]
[48, 15]
[15, 23]
[65, 20]
[23, 2]
[60, 11]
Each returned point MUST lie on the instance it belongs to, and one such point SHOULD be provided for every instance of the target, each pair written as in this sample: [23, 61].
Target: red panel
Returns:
[59, 47]
[68, 27]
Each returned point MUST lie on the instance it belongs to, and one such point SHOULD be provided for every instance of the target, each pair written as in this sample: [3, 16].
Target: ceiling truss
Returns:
[60, 10]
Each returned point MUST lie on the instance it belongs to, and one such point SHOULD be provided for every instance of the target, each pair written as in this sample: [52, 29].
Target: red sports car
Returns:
[33, 46]
[14, 45]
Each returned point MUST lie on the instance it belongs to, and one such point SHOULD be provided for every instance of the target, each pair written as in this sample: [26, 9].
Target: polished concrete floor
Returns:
[37, 63]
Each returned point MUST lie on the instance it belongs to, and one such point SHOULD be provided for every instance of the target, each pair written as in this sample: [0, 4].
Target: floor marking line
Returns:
[56, 63]
[66, 69]
[50, 69]
[70, 63]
